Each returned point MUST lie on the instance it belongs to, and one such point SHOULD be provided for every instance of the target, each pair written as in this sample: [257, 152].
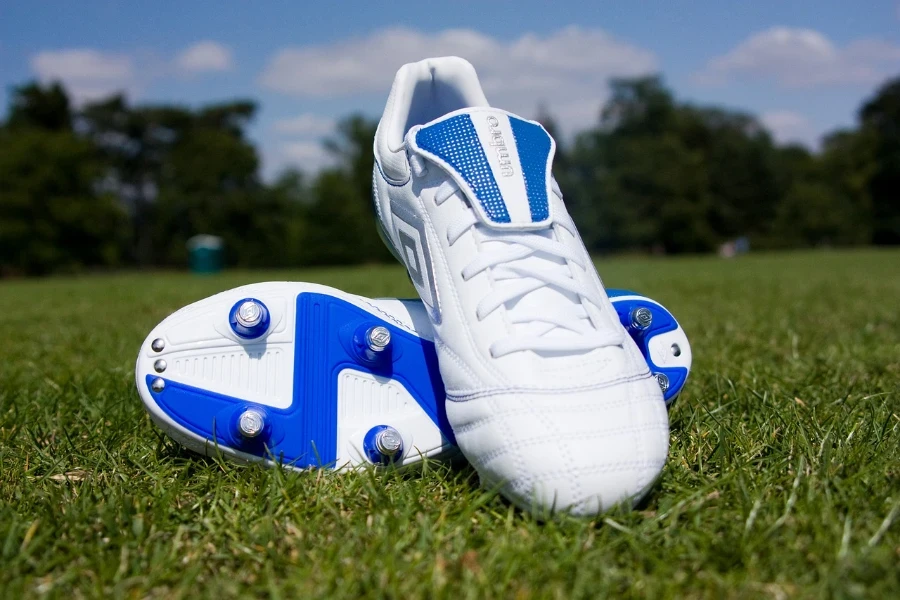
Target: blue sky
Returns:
[803, 66]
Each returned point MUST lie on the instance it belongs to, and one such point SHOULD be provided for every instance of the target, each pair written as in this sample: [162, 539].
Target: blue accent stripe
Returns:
[315, 379]
[533, 144]
[214, 416]
[456, 142]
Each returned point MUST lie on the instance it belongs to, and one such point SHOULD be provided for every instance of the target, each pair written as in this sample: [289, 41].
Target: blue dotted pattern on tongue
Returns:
[455, 141]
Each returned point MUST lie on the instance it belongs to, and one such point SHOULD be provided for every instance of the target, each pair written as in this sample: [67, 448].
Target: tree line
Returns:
[114, 185]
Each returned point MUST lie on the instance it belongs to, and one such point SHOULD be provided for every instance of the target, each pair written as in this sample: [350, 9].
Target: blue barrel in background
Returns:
[205, 254]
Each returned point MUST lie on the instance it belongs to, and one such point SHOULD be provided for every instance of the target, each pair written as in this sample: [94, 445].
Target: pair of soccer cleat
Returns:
[310, 376]
[552, 388]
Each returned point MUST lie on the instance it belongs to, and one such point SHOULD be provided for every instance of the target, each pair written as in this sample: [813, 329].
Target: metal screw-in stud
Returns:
[383, 445]
[663, 382]
[251, 423]
[158, 345]
[641, 318]
[158, 384]
[388, 441]
[249, 318]
[676, 350]
[378, 338]
[160, 365]
[249, 314]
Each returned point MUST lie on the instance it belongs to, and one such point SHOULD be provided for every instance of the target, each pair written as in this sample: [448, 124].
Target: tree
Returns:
[659, 173]
[880, 120]
[133, 144]
[115, 183]
[642, 179]
[739, 159]
[341, 220]
[51, 216]
[814, 213]
[36, 107]
[181, 172]
[208, 184]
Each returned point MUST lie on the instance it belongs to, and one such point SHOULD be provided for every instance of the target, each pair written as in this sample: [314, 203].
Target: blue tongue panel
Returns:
[500, 161]
[535, 155]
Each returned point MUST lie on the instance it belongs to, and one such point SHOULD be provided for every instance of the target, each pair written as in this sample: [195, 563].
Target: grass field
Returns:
[783, 478]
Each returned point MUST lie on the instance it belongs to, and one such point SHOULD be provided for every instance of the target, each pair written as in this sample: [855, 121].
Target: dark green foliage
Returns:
[51, 217]
[35, 107]
[880, 118]
[814, 214]
[183, 172]
[658, 174]
[115, 184]
[341, 219]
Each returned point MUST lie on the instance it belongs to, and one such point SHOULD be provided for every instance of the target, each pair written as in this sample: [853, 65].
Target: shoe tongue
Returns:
[501, 162]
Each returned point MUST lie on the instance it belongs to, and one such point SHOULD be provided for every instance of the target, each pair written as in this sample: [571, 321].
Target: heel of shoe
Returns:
[659, 337]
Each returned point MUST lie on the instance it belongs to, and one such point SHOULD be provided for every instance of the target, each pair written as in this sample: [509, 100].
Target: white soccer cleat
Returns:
[300, 374]
[549, 398]
[659, 337]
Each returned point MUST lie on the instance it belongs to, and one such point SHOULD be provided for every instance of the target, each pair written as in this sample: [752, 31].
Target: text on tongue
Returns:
[499, 144]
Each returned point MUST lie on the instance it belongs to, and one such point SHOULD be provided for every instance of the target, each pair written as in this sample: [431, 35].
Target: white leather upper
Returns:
[578, 430]
[463, 341]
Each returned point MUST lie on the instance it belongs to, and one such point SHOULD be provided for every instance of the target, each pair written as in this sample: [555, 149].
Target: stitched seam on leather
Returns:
[464, 397]
[390, 317]
[586, 408]
[587, 435]
[563, 441]
[517, 460]
[613, 468]
[638, 443]
[456, 359]
[607, 468]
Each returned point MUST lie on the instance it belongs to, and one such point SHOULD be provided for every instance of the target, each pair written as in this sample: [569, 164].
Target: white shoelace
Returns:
[522, 279]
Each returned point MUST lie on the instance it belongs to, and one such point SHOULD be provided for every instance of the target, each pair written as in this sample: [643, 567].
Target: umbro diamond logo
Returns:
[413, 249]
[410, 249]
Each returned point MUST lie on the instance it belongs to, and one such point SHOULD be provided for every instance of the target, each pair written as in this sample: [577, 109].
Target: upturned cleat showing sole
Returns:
[659, 337]
[299, 374]
[337, 380]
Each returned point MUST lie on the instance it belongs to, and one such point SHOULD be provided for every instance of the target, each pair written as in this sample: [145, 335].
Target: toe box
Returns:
[580, 451]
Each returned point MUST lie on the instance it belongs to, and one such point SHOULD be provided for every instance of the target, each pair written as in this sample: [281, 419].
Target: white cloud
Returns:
[204, 56]
[803, 58]
[306, 155]
[90, 74]
[307, 124]
[304, 150]
[571, 63]
[790, 127]
[87, 74]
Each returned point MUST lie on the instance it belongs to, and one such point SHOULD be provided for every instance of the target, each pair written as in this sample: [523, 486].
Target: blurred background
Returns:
[683, 127]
